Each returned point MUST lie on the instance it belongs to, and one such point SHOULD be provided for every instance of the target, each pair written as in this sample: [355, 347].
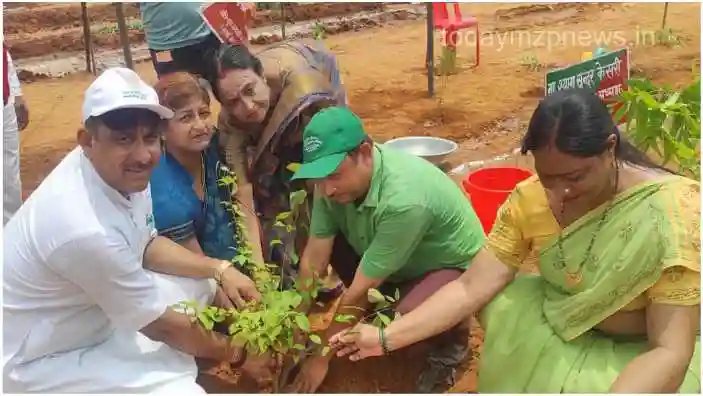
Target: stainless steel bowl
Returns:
[433, 149]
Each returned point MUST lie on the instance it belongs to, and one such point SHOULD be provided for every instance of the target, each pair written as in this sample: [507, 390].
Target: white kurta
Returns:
[75, 293]
[126, 362]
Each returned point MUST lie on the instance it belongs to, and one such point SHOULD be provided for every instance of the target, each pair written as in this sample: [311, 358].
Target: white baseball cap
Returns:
[121, 88]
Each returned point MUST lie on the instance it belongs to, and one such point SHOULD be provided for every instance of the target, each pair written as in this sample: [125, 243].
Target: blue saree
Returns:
[180, 214]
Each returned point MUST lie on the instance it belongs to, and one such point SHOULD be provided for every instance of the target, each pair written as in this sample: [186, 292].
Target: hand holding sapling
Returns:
[222, 300]
[314, 370]
[238, 287]
[360, 342]
[273, 324]
[365, 340]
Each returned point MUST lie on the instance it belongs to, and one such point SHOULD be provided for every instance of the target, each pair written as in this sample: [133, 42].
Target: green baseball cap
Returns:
[330, 135]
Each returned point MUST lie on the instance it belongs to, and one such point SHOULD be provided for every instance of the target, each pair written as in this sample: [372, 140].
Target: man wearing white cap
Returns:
[81, 314]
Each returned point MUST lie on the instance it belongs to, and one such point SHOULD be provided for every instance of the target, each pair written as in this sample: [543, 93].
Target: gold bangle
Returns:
[220, 271]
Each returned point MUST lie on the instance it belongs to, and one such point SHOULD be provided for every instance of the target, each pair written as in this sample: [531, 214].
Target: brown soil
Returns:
[68, 41]
[43, 17]
[388, 374]
[305, 12]
[485, 109]
[51, 29]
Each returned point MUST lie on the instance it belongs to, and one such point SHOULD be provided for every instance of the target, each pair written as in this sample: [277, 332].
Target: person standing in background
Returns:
[15, 118]
[178, 38]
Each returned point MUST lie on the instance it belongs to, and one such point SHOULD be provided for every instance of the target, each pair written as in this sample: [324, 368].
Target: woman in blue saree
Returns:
[190, 204]
[186, 195]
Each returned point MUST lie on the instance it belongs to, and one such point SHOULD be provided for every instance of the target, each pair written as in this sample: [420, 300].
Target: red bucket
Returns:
[488, 188]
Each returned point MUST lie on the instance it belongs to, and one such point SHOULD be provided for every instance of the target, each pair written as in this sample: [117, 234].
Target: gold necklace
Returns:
[202, 176]
[575, 277]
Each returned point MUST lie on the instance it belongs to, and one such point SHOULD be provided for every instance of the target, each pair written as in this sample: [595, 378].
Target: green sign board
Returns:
[606, 75]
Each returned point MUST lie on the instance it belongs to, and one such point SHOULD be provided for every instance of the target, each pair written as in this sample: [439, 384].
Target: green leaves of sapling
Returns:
[270, 324]
[375, 296]
[315, 338]
[303, 323]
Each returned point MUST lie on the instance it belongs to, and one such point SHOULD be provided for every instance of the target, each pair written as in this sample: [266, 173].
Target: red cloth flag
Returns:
[229, 21]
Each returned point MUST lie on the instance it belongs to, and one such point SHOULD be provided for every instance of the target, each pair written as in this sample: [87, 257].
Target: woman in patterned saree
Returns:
[616, 306]
[267, 100]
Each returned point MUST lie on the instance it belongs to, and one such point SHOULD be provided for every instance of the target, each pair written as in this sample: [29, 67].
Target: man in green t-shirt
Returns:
[388, 220]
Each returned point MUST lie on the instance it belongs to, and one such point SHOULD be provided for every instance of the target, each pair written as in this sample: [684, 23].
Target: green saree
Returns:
[539, 335]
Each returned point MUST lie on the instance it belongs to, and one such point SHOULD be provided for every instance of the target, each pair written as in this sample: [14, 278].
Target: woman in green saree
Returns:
[267, 99]
[616, 306]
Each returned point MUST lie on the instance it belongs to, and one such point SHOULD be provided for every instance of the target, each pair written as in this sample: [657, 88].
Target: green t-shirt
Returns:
[414, 219]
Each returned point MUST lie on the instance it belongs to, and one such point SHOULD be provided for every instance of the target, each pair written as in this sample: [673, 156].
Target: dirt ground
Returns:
[484, 108]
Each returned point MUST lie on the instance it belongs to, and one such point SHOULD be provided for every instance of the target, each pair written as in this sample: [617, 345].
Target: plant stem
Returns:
[666, 11]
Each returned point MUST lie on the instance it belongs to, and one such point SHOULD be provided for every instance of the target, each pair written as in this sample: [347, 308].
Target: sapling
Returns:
[531, 62]
[113, 29]
[666, 121]
[667, 38]
[379, 315]
[275, 323]
[318, 30]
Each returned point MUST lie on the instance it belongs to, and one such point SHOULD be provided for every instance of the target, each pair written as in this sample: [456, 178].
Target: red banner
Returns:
[613, 75]
[229, 21]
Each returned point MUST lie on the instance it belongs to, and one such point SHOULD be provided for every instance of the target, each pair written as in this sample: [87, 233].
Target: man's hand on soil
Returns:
[312, 372]
[261, 368]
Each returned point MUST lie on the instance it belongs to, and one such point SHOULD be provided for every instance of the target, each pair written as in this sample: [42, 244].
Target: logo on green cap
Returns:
[330, 135]
[311, 144]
